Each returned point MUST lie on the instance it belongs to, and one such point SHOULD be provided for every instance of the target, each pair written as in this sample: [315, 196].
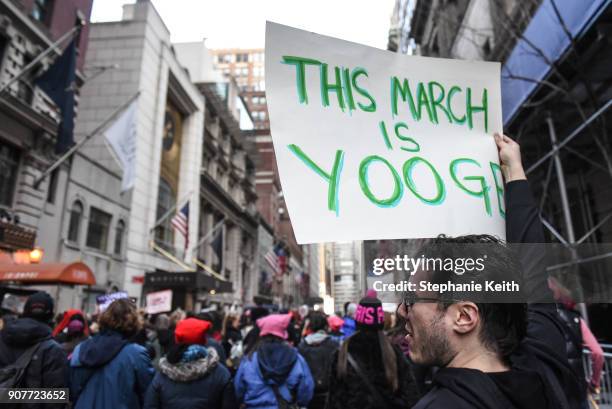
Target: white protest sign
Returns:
[372, 144]
[105, 300]
[159, 301]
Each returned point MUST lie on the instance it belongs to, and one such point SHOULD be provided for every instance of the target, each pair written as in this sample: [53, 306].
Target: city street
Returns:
[279, 204]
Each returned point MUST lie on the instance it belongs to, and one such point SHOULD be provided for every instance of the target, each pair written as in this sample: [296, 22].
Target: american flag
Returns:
[274, 261]
[180, 222]
[277, 259]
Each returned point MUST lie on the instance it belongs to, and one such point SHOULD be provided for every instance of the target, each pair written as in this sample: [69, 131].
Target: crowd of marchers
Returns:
[429, 353]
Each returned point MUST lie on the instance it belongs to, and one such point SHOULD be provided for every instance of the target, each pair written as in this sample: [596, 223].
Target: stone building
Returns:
[346, 270]
[247, 67]
[122, 235]
[227, 192]
[29, 123]
[228, 213]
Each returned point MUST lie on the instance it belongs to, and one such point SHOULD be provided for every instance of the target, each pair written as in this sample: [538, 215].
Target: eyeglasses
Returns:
[408, 303]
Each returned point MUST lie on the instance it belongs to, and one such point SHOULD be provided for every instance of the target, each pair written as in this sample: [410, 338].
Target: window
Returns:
[97, 230]
[76, 213]
[9, 165]
[224, 58]
[165, 202]
[41, 10]
[242, 57]
[3, 43]
[119, 233]
[52, 186]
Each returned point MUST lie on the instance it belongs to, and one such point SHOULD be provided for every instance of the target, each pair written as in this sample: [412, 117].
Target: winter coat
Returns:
[349, 326]
[69, 345]
[540, 375]
[213, 343]
[274, 363]
[318, 351]
[108, 372]
[574, 343]
[351, 391]
[48, 368]
[201, 383]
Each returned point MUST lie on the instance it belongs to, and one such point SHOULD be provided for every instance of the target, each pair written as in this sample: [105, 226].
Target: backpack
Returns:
[319, 359]
[12, 376]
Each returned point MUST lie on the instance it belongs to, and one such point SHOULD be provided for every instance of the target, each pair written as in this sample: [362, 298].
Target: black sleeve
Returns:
[229, 396]
[524, 230]
[523, 227]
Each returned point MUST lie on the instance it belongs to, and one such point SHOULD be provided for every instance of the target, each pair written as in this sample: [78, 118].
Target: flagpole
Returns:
[40, 57]
[80, 143]
[207, 236]
[170, 211]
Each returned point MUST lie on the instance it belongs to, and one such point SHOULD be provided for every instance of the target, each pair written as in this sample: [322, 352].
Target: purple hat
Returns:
[75, 327]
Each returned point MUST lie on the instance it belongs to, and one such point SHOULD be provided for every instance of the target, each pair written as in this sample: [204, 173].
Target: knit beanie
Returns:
[39, 306]
[191, 331]
[335, 323]
[275, 324]
[370, 315]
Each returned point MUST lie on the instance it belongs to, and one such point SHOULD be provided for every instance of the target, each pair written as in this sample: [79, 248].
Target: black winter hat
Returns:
[370, 315]
[39, 306]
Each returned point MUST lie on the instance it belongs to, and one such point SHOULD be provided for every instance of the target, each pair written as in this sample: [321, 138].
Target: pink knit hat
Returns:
[275, 324]
[335, 322]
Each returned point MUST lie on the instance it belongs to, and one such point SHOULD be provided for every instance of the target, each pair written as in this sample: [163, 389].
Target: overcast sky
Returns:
[241, 23]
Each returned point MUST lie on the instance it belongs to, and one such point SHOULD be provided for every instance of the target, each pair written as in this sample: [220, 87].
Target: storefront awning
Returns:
[48, 273]
[526, 67]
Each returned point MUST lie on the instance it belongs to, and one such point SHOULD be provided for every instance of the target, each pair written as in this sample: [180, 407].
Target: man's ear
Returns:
[465, 317]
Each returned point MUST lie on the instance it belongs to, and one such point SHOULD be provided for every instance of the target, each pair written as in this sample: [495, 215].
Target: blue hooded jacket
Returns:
[108, 372]
[274, 363]
[349, 327]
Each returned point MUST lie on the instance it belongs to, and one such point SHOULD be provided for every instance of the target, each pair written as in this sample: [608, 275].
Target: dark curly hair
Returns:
[504, 323]
[122, 317]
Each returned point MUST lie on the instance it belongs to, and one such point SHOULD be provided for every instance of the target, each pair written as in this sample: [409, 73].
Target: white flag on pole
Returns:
[121, 136]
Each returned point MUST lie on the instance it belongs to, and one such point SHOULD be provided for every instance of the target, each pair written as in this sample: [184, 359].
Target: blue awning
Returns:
[546, 33]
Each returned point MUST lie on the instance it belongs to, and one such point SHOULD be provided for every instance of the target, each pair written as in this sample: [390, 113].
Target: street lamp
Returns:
[36, 255]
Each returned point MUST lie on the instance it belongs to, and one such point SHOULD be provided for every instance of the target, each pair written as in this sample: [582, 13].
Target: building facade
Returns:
[228, 212]
[124, 235]
[346, 270]
[247, 67]
[227, 191]
[29, 120]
